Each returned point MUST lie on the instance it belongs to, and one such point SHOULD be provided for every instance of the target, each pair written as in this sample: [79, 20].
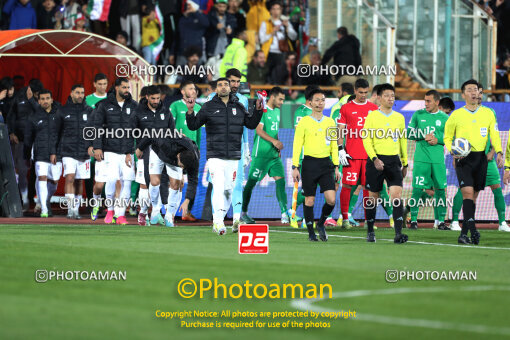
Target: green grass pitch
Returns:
[157, 258]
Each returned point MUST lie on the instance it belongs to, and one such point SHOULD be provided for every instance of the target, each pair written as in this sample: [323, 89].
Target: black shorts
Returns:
[317, 171]
[472, 170]
[392, 173]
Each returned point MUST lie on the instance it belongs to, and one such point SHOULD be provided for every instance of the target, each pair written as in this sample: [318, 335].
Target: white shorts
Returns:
[51, 171]
[116, 168]
[81, 169]
[223, 173]
[100, 175]
[156, 167]
[140, 172]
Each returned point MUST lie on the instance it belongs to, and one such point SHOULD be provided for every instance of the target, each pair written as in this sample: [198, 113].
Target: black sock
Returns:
[397, 216]
[308, 215]
[326, 210]
[468, 207]
[370, 211]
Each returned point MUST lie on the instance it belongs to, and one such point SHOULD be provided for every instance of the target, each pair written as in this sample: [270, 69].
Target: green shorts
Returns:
[429, 175]
[262, 166]
[492, 174]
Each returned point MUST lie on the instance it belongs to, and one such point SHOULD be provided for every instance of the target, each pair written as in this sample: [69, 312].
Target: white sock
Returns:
[436, 222]
[155, 199]
[70, 205]
[109, 191]
[172, 204]
[143, 200]
[42, 194]
[237, 216]
[227, 199]
[78, 204]
[125, 192]
[24, 195]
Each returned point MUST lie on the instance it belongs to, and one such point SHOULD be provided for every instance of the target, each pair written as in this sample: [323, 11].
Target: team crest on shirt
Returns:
[483, 131]
[162, 116]
[234, 111]
[128, 111]
[438, 122]
[85, 117]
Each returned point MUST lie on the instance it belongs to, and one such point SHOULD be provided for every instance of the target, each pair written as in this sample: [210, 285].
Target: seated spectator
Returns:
[222, 24]
[316, 78]
[345, 51]
[257, 69]
[235, 56]
[193, 55]
[151, 29]
[192, 27]
[238, 13]
[122, 38]
[286, 73]
[274, 36]
[22, 14]
[80, 23]
[313, 45]
[71, 11]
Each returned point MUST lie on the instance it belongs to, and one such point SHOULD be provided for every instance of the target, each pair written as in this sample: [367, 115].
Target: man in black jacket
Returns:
[151, 116]
[345, 51]
[37, 135]
[116, 146]
[66, 130]
[224, 118]
[177, 154]
[17, 119]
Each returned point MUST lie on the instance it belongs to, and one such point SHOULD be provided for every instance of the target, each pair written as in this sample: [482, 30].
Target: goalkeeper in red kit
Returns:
[353, 156]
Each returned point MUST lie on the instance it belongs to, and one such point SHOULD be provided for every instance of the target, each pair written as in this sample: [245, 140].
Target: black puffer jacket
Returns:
[146, 119]
[111, 116]
[20, 111]
[67, 129]
[37, 133]
[167, 150]
[224, 126]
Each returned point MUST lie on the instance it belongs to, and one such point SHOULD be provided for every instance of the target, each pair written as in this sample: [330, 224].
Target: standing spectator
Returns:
[122, 38]
[274, 35]
[6, 97]
[193, 55]
[151, 29]
[46, 15]
[503, 77]
[286, 73]
[240, 15]
[80, 24]
[192, 27]
[235, 56]
[171, 12]
[313, 45]
[257, 69]
[71, 10]
[130, 21]
[22, 14]
[316, 78]
[222, 24]
[345, 51]
[204, 6]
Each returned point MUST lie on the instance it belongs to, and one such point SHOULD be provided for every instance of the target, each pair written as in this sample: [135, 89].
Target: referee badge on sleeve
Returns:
[483, 131]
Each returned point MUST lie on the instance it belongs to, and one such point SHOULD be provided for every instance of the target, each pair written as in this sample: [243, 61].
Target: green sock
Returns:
[416, 197]
[300, 199]
[499, 203]
[457, 205]
[281, 196]
[388, 207]
[134, 190]
[440, 206]
[248, 188]
[353, 200]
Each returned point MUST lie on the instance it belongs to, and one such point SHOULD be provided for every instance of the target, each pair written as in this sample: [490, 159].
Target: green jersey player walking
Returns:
[266, 156]
[429, 172]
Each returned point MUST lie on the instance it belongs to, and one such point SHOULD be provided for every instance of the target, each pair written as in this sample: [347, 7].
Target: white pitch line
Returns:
[391, 240]
[307, 304]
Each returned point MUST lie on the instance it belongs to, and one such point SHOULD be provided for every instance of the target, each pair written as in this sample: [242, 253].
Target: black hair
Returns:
[466, 83]
[149, 8]
[143, 91]
[434, 93]
[385, 87]
[152, 90]
[360, 84]
[315, 91]
[347, 87]
[308, 90]
[376, 88]
[18, 77]
[185, 83]
[77, 86]
[188, 159]
[213, 84]
[6, 83]
[120, 80]
[35, 85]
[480, 86]
[100, 76]
[124, 34]
[275, 91]
[447, 103]
[273, 3]
[165, 90]
[191, 50]
[342, 31]
[233, 72]
[222, 79]
[45, 91]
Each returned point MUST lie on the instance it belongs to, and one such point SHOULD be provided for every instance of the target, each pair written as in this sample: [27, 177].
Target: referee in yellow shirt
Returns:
[475, 123]
[386, 147]
[312, 133]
